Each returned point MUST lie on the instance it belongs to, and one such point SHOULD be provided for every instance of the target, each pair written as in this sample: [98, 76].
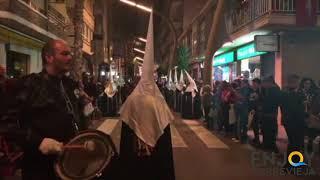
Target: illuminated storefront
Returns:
[223, 66]
[242, 61]
[250, 61]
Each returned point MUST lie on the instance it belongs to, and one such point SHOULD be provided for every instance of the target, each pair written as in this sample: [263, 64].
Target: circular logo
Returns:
[296, 153]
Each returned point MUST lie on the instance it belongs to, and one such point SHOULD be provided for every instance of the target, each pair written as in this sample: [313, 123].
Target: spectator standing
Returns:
[293, 114]
[270, 103]
[255, 107]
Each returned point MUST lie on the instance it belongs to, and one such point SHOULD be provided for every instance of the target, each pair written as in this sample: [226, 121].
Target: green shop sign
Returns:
[248, 51]
[223, 59]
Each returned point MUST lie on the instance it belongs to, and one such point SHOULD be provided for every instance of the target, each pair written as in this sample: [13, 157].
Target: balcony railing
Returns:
[254, 9]
[56, 18]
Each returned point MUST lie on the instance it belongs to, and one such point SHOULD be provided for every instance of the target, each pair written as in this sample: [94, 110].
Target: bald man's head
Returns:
[57, 54]
[49, 49]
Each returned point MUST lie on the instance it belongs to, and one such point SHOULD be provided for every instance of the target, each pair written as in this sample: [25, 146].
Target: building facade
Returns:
[290, 36]
[25, 25]
[195, 35]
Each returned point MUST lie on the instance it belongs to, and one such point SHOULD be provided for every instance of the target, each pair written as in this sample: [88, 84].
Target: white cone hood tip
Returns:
[145, 111]
[111, 88]
[192, 86]
[181, 82]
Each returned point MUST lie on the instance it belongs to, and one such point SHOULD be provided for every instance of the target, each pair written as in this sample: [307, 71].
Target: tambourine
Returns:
[85, 156]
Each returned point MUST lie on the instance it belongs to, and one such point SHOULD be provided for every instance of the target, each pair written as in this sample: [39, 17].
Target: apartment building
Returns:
[25, 25]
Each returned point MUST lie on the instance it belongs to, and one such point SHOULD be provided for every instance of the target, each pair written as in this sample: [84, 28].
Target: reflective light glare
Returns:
[138, 50]
[142, 39]
[144, 8]
[227, 44]
[138, 58]
[129, 2]
[137, 5]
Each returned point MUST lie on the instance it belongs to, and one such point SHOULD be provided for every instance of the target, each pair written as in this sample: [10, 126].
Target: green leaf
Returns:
[183, 58]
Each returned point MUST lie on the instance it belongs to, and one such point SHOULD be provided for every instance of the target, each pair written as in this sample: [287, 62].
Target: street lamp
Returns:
[138, 50]
[138, 58]
[167, 20]
[137, 5]
[142, 39]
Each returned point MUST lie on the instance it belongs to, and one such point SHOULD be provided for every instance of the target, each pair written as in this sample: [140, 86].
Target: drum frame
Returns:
[58, 167]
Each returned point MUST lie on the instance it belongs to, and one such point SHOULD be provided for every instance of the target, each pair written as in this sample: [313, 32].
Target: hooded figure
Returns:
[108, 102]
[181, 82]
[111, 87]
[188, 99]
[192, 87]
[146, 148]
[170, 90]
[179, 91]
[168, 85]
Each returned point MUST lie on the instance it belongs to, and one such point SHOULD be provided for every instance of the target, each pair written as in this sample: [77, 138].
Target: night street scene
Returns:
[159, 89]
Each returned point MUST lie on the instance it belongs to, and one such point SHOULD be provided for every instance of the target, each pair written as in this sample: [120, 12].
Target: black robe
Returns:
[107, 105]
[197, 107]
[158, 166]
[187, 106]
[178, 101]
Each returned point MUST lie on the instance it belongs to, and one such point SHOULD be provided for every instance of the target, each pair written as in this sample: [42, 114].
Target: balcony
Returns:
[56, 18]
[254, 14]
[39, 23]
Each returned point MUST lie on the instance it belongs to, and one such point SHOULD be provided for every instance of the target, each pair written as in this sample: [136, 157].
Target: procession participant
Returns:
[188, 98]
[48, 108]
[146, 147]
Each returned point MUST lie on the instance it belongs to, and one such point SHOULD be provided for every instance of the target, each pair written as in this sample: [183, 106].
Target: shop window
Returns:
[17, 64]
[251, 68]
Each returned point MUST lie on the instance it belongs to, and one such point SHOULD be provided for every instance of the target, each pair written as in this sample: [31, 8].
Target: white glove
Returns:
[50, 146]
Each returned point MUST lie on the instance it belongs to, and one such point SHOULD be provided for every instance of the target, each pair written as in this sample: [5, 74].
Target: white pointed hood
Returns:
[181, 82]
[145, 111]
[111, 88]
[175, 76]
[192, 87]
[169, 82]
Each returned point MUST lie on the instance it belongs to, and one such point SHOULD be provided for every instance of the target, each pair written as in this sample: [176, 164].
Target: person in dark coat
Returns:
[48, 106]
[271, 98]
[293, 114]
[255, 106]
[197, 108]
[207, 105]
[245, 92]
[309, 91]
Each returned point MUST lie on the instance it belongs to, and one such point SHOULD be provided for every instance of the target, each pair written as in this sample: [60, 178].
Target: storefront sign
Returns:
[248, 51]
[267, 43]
[223, 59]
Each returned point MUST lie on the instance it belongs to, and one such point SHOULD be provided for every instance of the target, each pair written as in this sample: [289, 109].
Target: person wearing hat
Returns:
[146, 147]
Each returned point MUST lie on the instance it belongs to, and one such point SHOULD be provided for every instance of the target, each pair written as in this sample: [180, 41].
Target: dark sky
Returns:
[129, 21]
